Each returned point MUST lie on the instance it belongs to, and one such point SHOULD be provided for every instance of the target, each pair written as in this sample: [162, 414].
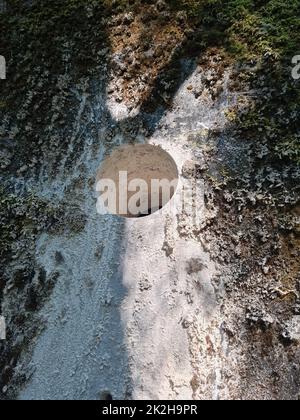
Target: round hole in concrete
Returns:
[136, 181]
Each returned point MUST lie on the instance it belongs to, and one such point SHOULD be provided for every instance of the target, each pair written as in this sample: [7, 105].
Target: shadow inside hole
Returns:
[149, 212]
[106, 396]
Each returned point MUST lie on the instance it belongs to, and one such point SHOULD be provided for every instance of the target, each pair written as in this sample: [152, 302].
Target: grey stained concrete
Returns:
[135, 299]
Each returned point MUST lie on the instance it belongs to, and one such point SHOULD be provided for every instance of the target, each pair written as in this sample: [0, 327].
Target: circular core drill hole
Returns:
[136, 181]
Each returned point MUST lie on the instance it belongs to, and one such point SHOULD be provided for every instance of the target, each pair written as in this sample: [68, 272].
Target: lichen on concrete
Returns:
[160, 308]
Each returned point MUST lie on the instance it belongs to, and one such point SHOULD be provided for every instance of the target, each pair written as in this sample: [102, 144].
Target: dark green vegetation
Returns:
[71, 35]
[248, 28]
[266, 33]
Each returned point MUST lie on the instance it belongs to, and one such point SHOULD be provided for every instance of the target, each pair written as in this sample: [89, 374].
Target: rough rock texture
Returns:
[168, 306]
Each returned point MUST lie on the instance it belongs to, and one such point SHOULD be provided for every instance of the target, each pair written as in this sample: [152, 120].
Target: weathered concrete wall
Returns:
[162, 307]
